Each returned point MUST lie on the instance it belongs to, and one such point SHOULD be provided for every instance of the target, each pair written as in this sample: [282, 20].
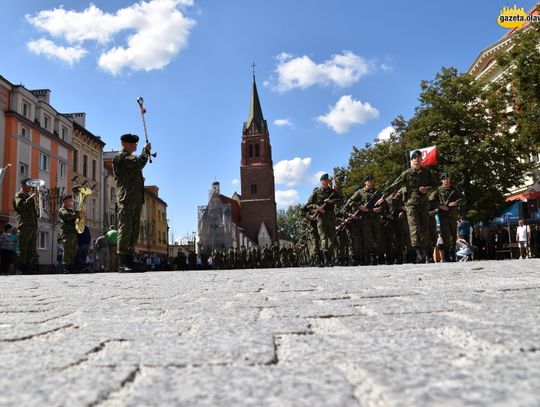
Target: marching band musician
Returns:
[127, 169]
[24, 204]
[68, 236]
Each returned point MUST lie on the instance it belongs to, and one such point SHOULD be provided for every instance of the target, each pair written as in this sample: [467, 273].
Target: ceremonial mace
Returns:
[140, 101]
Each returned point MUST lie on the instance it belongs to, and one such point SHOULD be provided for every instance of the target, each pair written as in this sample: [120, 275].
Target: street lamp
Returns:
[168, 220]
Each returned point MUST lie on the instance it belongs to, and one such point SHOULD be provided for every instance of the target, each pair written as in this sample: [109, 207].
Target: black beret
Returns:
[416, 153]
[68, 196]
[368, 177]
[25, 180]
[444, 175]
[324, 176]
[129, 138]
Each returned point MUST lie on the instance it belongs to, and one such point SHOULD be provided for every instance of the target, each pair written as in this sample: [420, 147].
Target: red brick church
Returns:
[248, 219]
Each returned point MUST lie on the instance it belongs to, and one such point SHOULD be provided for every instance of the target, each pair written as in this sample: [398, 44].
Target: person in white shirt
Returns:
[523, 236]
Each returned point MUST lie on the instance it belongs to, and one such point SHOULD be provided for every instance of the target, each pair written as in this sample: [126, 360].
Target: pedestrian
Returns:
[322, 203]
[84, 240]
[464, 250]
[464, 228]
[25, 204]
[127, 169]
[418, 181]
[101, 252]
[112, 243]
[523, 237]
[68, 233]
[6, 249]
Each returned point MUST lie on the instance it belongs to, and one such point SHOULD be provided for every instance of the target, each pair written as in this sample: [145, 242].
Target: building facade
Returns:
[153, 235]
[36, 140]
[88, 171]
[486, 69]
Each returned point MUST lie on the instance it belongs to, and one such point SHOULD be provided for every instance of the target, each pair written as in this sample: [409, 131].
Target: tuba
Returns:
[37, 184]
[80, 194]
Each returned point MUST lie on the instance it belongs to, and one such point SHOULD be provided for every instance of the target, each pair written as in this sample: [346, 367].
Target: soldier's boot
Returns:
[382, 259]
[327, 258]
[320, 259]
[372, 259]
[123, 264]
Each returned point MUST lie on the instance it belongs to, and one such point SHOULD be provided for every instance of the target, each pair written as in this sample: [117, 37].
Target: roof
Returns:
[255, 111]
[235, 208]
[87, 133]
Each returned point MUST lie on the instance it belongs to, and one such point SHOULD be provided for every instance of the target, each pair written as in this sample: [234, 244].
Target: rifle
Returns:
[447, 201]
[315, 214]
[374, 197]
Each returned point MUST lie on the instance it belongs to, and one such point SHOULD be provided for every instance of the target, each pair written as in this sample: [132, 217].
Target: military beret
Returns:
[68, 196]
[444, 175]
[416, 153]
[368, 177]
[129, 138]
[324, 176]
[25, 180]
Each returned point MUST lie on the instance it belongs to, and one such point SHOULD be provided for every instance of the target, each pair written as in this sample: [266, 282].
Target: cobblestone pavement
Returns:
[432, 335]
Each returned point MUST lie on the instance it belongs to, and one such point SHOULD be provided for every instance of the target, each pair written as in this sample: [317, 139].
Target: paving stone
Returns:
[461, 334]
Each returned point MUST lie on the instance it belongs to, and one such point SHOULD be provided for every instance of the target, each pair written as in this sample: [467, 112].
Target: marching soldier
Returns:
[449, 199]
[394, 220]
[24, 204]
[127, 169]
[365, 199]
[68, 234]
[322, 201]
[418, 181]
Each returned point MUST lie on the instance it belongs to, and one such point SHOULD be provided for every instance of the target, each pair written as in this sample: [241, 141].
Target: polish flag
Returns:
[429, 155]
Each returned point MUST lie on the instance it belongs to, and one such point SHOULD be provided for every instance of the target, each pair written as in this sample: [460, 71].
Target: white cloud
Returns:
[51, 50]
[386, 67]
[282, 122]
[302, 72]
[236, 181]
[292, 172]
[384, 134]
[159, 32]
[346, 113]
[287, 197]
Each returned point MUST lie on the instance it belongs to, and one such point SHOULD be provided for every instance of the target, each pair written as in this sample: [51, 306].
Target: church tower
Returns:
[258, 201]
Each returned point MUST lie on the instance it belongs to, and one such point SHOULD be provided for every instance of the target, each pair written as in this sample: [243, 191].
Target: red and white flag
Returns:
[429, 155]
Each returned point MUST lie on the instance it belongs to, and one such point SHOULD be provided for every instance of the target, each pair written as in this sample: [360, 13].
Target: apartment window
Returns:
[23, 169]
[75, 161]
[63, 133]
[94, 169]
[257, 150]
[85, 165]
[43, 162]
[94, 203]
[253, 188]
[25, 109]
[24, 132]
[46, 121]
[62, 170]
[42, 240]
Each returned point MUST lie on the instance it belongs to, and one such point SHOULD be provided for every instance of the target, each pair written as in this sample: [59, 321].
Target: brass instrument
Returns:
[37, 184]
[80, 194]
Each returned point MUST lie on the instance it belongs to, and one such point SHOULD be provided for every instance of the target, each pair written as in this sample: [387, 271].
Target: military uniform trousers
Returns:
[370, 234]
[27, 244]
[129, 222]
[448, 221]
[326, 227]
[418, 219]
[69, 240]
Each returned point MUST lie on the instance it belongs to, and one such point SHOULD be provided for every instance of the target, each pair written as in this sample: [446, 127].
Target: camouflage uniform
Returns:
[448, 218]
[416, 204]
[68, 236]
[127, 170]
[27, 226]
[326, 222]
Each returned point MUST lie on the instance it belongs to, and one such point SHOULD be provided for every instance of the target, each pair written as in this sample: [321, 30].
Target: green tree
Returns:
[521, 67]
[290, 221]
[469, 125]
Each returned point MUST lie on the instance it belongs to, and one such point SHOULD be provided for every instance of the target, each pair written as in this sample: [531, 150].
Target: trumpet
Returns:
[37, 184]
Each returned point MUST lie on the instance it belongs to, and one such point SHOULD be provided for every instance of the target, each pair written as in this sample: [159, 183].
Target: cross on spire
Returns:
[253, 66]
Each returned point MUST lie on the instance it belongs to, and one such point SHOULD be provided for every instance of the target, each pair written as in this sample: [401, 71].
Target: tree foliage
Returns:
[290, 221]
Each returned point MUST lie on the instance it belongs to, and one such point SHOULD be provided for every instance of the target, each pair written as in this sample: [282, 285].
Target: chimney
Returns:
[43, 94]
[79, 118]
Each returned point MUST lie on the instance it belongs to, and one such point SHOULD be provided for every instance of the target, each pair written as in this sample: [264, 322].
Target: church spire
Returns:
[255, 111]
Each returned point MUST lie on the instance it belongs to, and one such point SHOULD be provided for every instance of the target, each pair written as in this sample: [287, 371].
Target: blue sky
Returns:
[330, 75]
